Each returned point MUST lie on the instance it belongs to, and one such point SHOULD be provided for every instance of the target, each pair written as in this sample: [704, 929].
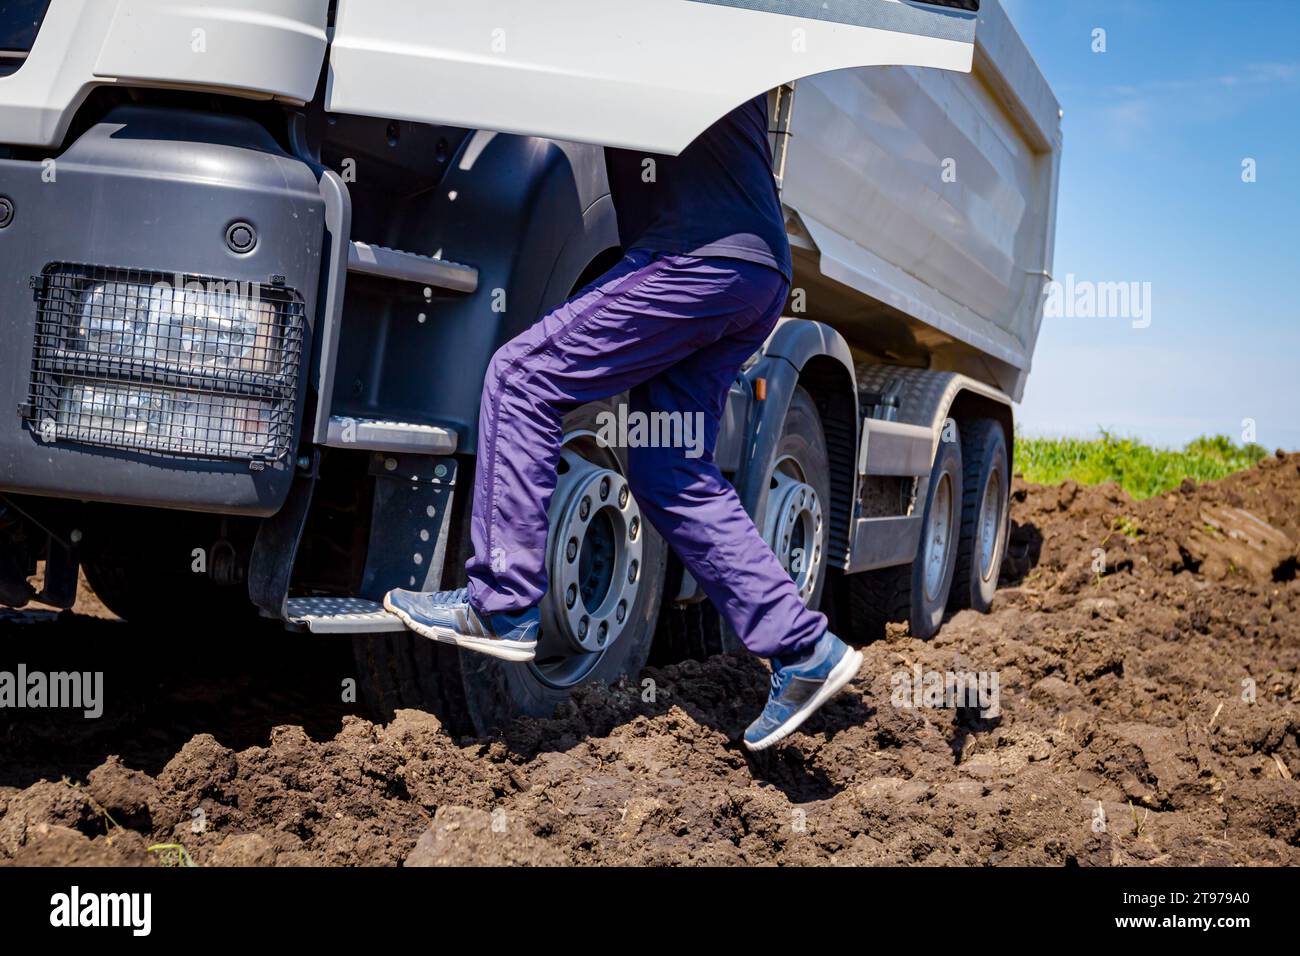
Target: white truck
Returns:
[255, 256]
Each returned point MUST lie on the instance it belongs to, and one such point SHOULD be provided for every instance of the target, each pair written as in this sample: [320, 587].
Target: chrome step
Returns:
[341, 615]
[365, 259]
[373, 434]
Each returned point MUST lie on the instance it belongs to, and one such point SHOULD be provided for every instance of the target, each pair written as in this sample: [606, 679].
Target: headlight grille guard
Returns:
[176, 365]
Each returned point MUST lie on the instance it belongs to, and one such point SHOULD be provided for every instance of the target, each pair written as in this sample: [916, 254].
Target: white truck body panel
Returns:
[641, 74]
[261, 48]
[934, 193]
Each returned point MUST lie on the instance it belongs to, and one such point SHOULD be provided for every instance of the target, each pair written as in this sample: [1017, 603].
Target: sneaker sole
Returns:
[840, 674]
[514, 651]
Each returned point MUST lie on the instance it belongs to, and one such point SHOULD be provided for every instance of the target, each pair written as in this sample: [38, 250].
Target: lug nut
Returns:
[571, 549]
[622, 497]
[571, 596]
[584, 509]
[634, 528]
[621, 611]
[6, 211]
[602, 633]
[604, 488]
[632, 570]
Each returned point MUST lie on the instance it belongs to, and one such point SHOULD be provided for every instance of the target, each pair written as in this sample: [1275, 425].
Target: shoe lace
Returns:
[776, 681]
[456, 596]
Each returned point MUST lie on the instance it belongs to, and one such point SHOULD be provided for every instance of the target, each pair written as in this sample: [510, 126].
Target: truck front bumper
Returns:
[158, 286]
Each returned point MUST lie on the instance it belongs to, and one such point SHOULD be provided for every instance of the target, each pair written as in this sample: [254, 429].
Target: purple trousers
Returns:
[673, 331]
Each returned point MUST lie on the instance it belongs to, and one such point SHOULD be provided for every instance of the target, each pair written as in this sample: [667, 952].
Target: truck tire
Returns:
[691, 631]
[794, 522]
[141, 565]
[876, 598]
[984, 514]
[400, 670]
[917, 592]
[613, 562]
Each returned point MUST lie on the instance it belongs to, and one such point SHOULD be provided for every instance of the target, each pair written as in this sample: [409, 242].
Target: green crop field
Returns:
[1141, 470]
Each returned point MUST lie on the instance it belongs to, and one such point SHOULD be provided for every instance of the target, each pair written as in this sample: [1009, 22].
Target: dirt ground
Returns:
[1148, 659]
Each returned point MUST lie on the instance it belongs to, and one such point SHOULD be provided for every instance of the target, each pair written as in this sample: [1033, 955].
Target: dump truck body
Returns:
[932, 194]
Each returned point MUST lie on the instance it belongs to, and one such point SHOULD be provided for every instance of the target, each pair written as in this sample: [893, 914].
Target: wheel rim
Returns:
[593, 561]
[793, 527]
[990, 523]
[938, 537]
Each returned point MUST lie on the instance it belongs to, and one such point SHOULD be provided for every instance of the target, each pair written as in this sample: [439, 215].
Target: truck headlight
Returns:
[180, 365]
[195, 326]
[167, 420]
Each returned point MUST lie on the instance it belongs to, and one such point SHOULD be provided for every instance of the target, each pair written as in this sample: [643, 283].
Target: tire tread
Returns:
[977, 437]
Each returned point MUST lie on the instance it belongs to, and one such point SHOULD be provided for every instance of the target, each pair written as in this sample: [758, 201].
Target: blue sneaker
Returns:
[447, 616]
[800, 686]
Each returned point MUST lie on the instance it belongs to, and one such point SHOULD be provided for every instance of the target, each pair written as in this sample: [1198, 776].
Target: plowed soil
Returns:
[1148, 658]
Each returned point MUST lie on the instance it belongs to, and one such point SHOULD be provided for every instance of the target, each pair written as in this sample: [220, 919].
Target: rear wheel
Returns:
[874, 599]
[794, 521]
[917, 592]
[932, 572]
[984, 515]
[795, 518]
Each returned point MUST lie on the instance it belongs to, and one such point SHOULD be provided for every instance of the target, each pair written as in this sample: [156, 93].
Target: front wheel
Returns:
[605, 565]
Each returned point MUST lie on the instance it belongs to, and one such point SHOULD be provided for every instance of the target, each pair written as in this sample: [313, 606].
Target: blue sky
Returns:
[1156, 130]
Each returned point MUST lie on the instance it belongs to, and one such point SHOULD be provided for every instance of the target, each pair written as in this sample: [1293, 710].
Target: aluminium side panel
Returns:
[934, 192]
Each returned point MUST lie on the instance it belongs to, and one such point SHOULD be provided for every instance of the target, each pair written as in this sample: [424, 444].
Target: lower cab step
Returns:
[341, 615]
[372, 434]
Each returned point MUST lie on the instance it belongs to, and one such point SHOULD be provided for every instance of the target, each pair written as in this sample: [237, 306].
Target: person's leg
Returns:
[646, 315]
[624, 331]
[519, 436]
[699, 513]
[685, 496]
